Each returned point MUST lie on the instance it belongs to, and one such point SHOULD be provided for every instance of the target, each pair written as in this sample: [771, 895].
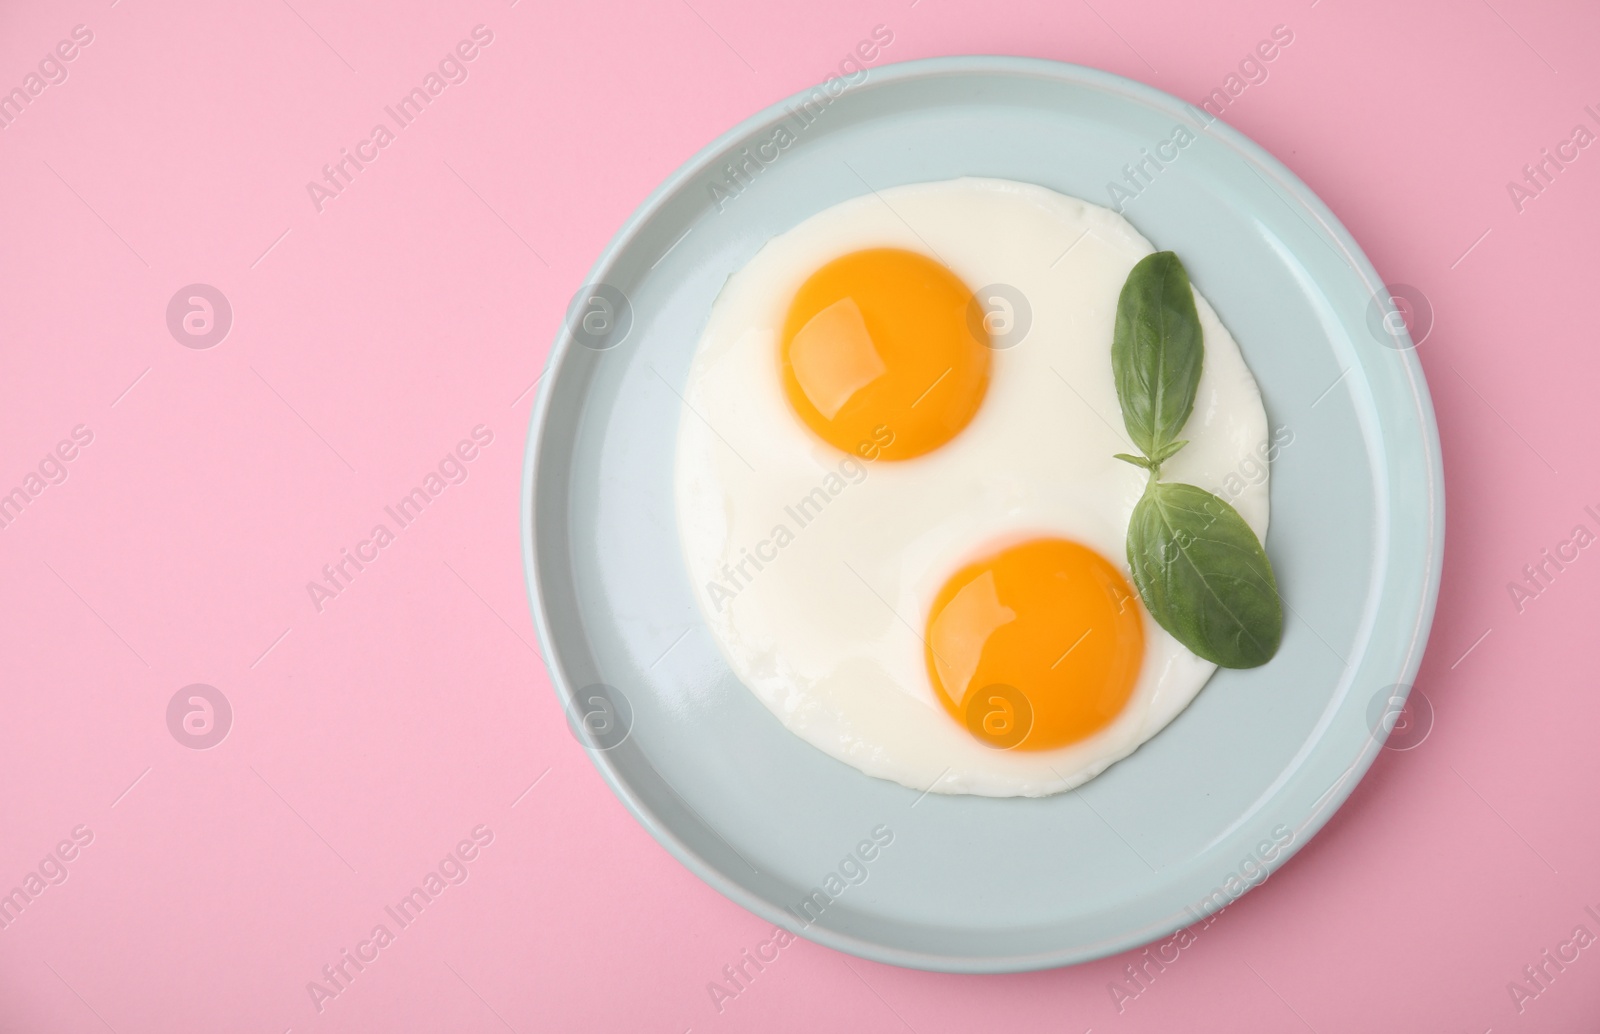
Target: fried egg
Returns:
[897, 496]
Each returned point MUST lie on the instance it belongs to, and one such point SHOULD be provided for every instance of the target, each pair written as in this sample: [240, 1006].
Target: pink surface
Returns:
[372, 737]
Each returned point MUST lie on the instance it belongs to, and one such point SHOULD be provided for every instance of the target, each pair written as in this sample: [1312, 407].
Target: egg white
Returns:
[825, 624]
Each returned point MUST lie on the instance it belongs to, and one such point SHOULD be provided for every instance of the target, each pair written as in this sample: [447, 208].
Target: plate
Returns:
[1199, 814]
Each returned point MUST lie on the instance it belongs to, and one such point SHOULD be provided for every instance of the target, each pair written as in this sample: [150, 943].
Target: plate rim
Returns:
[1321, 810]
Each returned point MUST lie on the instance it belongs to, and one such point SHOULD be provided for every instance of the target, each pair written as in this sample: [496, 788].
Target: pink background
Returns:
[369, 338]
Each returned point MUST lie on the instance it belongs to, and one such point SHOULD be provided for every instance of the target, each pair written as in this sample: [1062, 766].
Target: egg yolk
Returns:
[1035, 647]
[880, 355]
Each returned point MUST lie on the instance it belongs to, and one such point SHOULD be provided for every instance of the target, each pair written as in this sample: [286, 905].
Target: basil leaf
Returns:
[1156, 353]
[1203, 575]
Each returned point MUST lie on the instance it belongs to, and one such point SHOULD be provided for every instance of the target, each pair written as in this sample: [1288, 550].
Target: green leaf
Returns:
[1137, 461]
[1156, 353]
[1203, 575]
[1168, 451]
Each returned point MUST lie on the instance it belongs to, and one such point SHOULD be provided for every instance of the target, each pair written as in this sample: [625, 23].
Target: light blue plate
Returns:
[1235, 785]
